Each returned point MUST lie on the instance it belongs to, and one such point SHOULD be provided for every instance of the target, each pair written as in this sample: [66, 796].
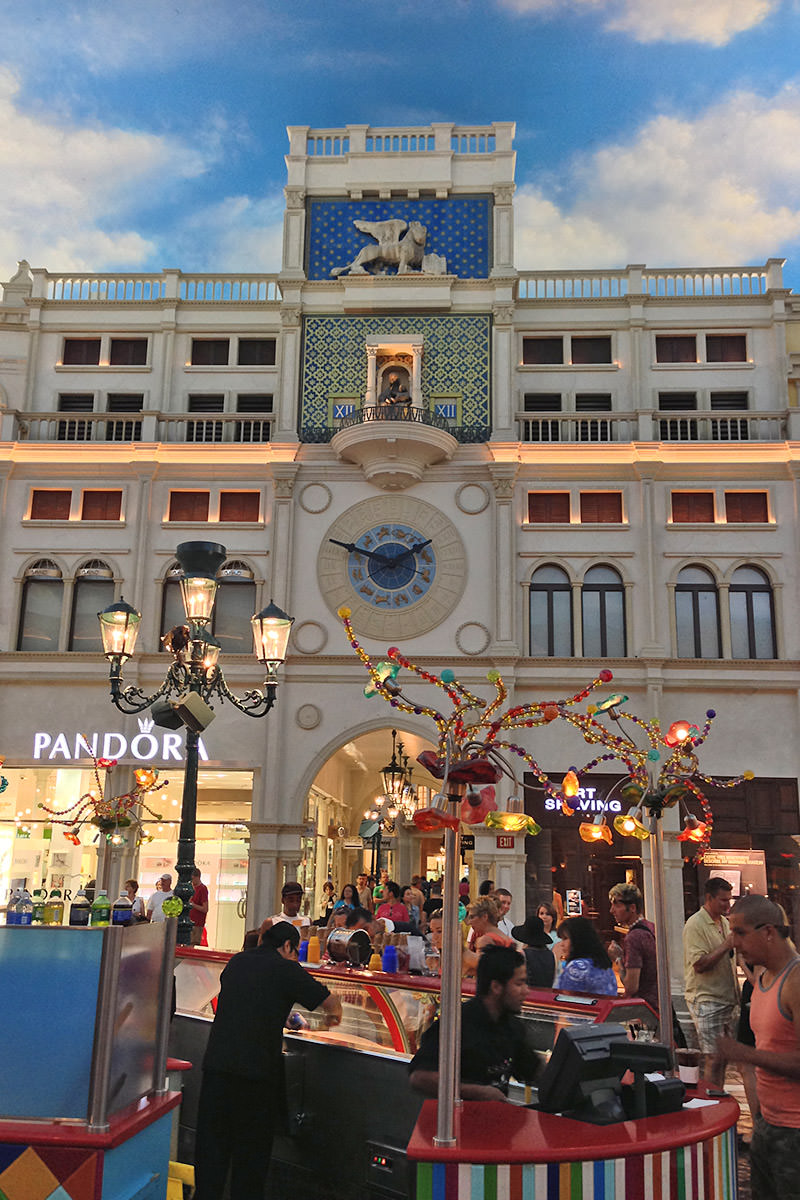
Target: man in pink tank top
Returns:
[761, 935]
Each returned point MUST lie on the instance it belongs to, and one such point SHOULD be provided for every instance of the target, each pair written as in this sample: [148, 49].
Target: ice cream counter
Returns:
[351, 1111]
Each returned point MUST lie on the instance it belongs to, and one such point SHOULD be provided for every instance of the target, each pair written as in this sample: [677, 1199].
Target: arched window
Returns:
[40, 615]
[752, 615]
[551, 613]
[92, 592]
[172, 612]
[697, 614]
[234, 606]
[603, 613]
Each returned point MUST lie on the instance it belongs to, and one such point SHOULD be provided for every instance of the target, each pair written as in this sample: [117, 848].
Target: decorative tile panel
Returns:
[459, 227]
[455, 361]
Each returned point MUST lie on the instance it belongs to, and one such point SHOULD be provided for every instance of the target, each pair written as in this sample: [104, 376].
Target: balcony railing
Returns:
[648, 426]
[400, 414]
[165, 287]
[660, 283]
[140, 427]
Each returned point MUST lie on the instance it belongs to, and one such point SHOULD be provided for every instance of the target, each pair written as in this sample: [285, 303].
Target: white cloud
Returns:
[67, 189]
[721, 189]
[237, 234]
[712, 22]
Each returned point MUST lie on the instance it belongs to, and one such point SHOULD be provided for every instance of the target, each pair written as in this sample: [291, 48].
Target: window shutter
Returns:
[548, 508]
[50, 505]
[239, 506]
[601, 508]
[101, 506]
[188, 506]
[693, 506]
[746, 506]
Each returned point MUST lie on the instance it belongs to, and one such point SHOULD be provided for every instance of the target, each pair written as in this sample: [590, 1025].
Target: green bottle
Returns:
[101, 910]
[38, 906]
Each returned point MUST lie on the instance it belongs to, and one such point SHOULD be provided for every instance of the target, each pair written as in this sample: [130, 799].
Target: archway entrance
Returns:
[337, 844]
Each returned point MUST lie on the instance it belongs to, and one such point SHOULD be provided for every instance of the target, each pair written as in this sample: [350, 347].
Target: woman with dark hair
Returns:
[588, 967]
[549, 918]
[328, 902]
[348, 899]
[540, 964]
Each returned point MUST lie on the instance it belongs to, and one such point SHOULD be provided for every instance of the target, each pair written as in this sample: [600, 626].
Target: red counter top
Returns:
[122, 1126]
[497, 1132]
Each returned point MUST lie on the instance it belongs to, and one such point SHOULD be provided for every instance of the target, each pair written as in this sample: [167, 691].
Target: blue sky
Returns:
[142, 134]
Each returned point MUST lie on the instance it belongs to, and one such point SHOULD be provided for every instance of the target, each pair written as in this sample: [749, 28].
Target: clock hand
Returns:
[412, 550]
[383, 559]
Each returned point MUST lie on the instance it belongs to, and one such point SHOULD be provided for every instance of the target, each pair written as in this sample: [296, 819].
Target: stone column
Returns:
[416, 376]
[503, 477]
[503, 232]
[283, 477]
[262, 876]
[503, 370]
[294, 230]
[289, 397]
[371, 394]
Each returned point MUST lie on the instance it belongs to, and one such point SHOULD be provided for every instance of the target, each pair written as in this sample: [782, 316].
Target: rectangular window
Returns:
[117, 429]
[590, 350]
[743, 507]
[692, 507]
[205, 431]
[548, 508]
[601, 508]
[677, 401]
[188, 506]
[728, 401]
[81, 352]
[726, 347]
[542, 402]
[592, 402]
[542, 351]
[256, 352]
[128, 352]
[239, 506]
[210, 352]
[47, 505]
[260, 428]
[74, 431]
[101, 506]
[676, 349]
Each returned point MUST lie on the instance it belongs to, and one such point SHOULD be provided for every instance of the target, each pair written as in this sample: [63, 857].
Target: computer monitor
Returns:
[583, 1077]
[582, 1080]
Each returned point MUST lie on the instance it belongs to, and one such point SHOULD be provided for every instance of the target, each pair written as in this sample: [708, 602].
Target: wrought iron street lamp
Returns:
[193, 679]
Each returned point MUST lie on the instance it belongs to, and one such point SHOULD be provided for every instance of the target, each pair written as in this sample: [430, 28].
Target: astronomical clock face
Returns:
[397, 562]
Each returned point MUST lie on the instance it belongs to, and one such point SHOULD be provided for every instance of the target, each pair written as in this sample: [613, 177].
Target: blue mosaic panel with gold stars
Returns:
[459, 227]
[455, 360]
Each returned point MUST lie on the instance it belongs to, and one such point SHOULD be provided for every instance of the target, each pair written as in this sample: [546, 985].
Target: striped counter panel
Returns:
[701, 1171]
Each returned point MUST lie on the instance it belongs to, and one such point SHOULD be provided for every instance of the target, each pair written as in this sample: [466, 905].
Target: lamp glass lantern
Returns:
[199, 562]
[393, 774]
[271, 628]
[119, 628]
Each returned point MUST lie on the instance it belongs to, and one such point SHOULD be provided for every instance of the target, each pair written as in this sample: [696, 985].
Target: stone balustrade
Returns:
[662, 282]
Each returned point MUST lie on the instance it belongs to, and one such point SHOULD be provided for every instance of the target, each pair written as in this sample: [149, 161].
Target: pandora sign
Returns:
[164, 746]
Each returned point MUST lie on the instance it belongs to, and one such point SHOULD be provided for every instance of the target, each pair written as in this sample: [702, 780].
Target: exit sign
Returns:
[505, 841]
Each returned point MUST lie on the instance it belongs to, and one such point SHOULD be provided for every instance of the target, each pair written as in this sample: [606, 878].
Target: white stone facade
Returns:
[580, 401]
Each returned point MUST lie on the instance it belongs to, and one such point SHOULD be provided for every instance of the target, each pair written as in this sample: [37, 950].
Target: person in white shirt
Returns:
[292, 897]
[155, 909]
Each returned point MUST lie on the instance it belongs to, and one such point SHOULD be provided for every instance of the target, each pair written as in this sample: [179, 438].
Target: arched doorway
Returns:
[342, 791]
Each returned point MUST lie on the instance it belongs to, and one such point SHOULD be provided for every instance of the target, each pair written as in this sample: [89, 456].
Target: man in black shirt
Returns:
[494, 1045]
[242, 1091]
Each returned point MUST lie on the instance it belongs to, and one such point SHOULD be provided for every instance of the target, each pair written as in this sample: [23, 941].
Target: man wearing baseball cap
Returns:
[292, 897]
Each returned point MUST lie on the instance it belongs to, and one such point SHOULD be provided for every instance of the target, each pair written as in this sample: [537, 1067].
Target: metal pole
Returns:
[186, 840]
[450, 1010]
[662, 952]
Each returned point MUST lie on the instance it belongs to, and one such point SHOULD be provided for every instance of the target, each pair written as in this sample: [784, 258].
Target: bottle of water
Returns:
[79, 909]
[12, 917]
[38, 906]
[54, 908]
[122, 912]
[25, 908]
[101, 910]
